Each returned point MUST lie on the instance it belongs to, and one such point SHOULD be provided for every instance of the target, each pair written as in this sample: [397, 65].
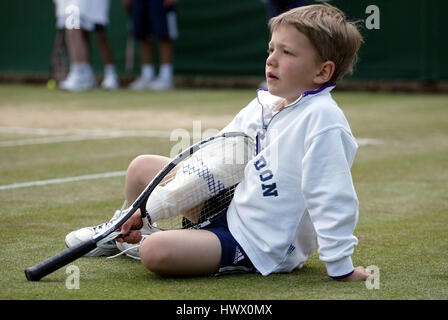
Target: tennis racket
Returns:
[59, 59]
[190, 192]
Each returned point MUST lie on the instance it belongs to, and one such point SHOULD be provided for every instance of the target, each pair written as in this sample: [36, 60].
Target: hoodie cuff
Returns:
[341, 268]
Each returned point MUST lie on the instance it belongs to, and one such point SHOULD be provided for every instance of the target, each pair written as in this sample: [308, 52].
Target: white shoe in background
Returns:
[141, 83]
[161, 84]
[110, 82]
[78, 82]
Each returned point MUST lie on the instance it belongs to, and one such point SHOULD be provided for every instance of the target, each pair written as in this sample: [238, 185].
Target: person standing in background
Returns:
[155, 19]
[58, 58]
[80, 17]
[110, 80]
[276, 7]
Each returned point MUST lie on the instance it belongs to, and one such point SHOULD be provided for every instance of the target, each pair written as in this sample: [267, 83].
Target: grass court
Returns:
[49, 139]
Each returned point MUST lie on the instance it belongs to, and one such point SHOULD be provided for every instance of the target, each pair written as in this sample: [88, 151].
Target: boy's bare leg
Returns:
[140, 172]
[181, 252]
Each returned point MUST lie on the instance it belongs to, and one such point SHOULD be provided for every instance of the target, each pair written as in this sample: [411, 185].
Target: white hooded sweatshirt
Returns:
[297, 193]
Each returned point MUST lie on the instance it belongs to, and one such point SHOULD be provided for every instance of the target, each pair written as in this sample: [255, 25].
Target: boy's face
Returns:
[292, 64]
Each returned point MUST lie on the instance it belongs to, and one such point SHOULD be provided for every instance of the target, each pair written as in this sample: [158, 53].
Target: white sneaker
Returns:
[141, 83]
[130, 249]
[77, 83]
[161, 84]
[106, 249]
[110, 82]
[70, 78]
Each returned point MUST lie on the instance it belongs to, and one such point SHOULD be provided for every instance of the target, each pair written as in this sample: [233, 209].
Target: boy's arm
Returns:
[331, 199]
[358, 274]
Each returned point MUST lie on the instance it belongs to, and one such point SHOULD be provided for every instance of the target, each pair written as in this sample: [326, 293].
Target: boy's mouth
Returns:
[271, 76]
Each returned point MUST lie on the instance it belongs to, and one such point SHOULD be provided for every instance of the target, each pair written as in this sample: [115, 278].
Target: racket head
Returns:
[201, 185]
[238, 149]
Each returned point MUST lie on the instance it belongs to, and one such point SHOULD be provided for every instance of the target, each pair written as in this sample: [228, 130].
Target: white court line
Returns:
[44, 131]
[63, 180]
[24, 142]
[73, 135]
[367, 141]
[68, 135]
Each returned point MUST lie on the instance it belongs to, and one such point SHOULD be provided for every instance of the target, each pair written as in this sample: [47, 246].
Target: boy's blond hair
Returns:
[333, 37]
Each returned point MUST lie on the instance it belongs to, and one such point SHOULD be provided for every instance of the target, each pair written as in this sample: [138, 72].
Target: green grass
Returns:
[401, 184]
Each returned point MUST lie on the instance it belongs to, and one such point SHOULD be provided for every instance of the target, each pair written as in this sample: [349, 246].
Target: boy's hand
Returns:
[129, 229]
[360, 274]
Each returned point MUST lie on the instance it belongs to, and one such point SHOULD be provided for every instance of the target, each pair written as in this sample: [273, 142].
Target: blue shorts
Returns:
[151, 18]
[233, 257]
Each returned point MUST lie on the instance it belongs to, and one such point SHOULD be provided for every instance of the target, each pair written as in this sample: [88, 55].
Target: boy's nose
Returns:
[270, 60]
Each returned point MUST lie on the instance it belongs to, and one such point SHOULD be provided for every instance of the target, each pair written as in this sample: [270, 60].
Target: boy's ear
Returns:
[325, 73]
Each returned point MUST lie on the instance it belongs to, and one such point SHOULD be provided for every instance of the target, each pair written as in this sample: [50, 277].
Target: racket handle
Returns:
[63, 258]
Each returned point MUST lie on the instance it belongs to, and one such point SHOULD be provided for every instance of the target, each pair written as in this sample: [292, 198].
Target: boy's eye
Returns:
[271, 50]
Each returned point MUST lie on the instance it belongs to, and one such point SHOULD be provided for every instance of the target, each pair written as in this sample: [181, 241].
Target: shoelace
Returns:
[105, 225]
[124, 252]
[100, 227]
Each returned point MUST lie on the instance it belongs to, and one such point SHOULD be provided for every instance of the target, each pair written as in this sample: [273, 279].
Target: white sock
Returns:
[166, 71]
[109, 70]
[148, 71]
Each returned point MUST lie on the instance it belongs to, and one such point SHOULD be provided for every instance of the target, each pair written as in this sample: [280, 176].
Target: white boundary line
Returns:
[63, 180]
[68, 135]
[367, 141]
[24, 142]
[73, 135]
[44, 131]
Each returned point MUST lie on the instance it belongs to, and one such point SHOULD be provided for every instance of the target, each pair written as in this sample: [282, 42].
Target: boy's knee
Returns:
[135, 167]
[136, 163]
[144, 167]
[153, 255]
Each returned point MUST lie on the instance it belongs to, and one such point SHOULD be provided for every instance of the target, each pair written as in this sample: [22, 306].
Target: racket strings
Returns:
[201, 186]
[211, 208]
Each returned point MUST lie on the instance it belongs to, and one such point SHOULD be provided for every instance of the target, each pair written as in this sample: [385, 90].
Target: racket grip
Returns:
[61, 259]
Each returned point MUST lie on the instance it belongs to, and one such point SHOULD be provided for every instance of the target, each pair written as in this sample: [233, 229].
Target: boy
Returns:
[307, 200]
